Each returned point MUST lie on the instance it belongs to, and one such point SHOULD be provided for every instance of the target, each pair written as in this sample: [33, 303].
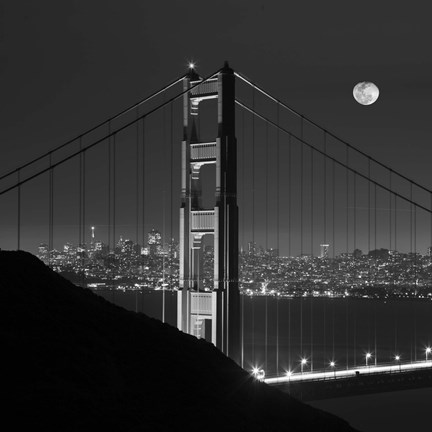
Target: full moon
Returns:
[365, 93]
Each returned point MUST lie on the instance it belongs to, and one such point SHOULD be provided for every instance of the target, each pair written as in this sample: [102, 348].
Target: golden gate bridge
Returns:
[293, 251]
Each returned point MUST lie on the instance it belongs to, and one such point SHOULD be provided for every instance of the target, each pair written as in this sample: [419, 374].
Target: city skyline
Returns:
[378, 273]
[318, 249]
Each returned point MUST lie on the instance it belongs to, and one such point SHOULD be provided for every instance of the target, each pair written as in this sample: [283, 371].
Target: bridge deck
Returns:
[329, 374]
[362, 380]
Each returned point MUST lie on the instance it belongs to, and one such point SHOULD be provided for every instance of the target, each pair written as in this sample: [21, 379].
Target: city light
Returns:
[191, 65]
[140, 263]
[428, 351]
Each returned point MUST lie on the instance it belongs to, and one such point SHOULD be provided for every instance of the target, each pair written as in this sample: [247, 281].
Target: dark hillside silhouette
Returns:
[75, 362]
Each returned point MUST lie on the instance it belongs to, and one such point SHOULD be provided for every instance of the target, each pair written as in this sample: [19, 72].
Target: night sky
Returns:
[67, 67]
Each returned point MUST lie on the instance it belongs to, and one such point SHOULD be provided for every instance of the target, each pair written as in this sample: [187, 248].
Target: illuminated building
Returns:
[324, 251]
[154, 242]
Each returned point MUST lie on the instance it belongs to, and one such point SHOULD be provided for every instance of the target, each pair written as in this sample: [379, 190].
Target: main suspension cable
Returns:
[342, 164]
[276, 100]
[110, 134]
[88, 131]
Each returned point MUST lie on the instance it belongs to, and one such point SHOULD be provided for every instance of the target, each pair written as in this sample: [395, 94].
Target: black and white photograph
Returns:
[215, 215]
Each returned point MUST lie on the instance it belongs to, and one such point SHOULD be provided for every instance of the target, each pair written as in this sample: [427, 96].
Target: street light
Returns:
[397, 358]
[368, 356]
[288, 374]
[428, 351]
[258, 374]
[303, 363]
[333, 366]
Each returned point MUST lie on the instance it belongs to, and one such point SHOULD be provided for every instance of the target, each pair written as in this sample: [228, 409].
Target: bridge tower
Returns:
[215, 314]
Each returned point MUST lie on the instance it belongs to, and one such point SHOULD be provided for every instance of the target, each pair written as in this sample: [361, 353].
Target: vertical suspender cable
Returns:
[301, 232]
[80, 207]
[290, 177]
[430, 225]
[396, 222]
[347, 246]
[163, 257]
[312, 255]
[347, 199]
[243, 140]
[19, 211]
[137, 163]
[83, 282]
[413, 347]
[325, 186]
[143, 162]
[137, 201]
[114, 196]
[325, 241]
[390, 248]
[355, 210]
[390, 209]
[110, 264]
[355, 262]
[375, 247]
[415, 250]
[267, 250]
[171, 240]
[414, 261]
[277, 241]
[334, 207]
[253, 224]
[334, 252]
[143, 202]
[51, 210]
[369, 239]
[163, 220]
[395, 246]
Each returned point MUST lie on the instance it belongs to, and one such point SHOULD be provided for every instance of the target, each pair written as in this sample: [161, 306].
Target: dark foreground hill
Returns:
[74, 362]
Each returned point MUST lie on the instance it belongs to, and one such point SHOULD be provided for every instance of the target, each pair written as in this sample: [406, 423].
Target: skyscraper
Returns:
[154, 242]
[324, 250]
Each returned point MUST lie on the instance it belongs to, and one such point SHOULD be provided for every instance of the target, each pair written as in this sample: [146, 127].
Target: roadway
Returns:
[328, 374]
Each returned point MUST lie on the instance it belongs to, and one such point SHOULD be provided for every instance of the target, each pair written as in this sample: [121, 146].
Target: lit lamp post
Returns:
[333, 366]
[288, 374]
[368, 356]
[428, 351]
[258, 374]
[303, 363]
[397, 358]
